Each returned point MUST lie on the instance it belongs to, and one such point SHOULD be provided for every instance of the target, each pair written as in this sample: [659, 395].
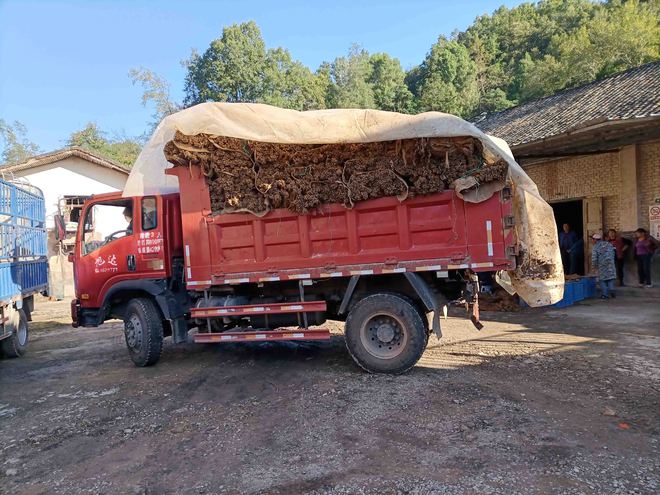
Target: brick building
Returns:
[593, 151]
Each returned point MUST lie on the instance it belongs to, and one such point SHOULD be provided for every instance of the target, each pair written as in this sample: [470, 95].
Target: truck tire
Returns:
[16, 345]
[385, 333]
[143, 331]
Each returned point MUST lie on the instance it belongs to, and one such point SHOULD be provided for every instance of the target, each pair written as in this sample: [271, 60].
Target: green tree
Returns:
[289, 84]
[536, 49]
[505, 44]
[349, 80]
[231, 69]
[447, 79]
[502, 59]
[619, 36]
[16, 147]
[156, 91]
[238, 67]
[388, 85]
[121, 149]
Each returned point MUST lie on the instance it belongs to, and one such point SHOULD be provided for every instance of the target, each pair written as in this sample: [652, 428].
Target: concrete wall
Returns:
[648, 178]
[628, 181]
[72, 176]
[591, 176]
[76, 177]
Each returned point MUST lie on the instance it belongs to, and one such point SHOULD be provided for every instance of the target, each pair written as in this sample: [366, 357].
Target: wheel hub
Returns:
[134, 332]
[21, 333]
[383, 336]
[385, 332]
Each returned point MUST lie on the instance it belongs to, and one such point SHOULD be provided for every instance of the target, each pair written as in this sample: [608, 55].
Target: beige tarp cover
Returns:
[539, 280]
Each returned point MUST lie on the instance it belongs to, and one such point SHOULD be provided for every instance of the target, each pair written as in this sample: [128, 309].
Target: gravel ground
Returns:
[540, 401]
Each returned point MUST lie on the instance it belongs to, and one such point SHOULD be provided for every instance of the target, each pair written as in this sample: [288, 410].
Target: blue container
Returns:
[578, 290]
[569, 295]
[589, 284]
[574, 291]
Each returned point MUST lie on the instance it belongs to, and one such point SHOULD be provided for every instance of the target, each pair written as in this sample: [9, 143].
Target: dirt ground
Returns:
[540, 401]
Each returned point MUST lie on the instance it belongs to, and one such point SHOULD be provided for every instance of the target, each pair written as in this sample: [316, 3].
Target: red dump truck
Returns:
[381, 267]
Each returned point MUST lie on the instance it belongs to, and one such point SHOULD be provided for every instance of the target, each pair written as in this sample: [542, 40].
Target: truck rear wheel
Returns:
[385, 333]
[16, 345]
[143, 331]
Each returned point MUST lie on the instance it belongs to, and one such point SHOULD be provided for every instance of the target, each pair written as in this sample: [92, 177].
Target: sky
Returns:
[65, 63]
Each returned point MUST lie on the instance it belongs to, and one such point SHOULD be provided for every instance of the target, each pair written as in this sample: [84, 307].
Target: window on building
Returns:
[71, 208]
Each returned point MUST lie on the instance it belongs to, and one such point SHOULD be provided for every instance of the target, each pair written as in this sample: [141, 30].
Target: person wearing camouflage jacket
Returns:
[603, 258]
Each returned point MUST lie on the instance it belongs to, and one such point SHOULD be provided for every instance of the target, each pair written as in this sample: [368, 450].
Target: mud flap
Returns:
[427, 297]
[179, 330]
[472, 299]
[474, 317]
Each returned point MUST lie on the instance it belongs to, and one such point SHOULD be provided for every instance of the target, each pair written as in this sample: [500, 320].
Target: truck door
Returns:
[107, 248]
[150, 238]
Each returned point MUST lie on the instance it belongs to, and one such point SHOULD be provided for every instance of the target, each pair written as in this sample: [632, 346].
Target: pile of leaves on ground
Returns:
[258, 177]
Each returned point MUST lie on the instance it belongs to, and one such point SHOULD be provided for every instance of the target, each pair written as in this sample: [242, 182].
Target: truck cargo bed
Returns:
[428, 233]
[23, 252]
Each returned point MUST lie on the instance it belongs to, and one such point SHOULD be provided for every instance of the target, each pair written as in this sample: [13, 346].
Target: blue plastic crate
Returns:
[574, 291]
[578, 291]
[589, 286]
[569, 295]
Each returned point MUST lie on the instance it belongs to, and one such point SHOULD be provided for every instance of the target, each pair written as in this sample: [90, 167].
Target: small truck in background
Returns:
[23, 261]
[173, 266]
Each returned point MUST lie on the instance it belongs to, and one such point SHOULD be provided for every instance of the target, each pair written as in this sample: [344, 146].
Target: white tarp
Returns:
[535, 223]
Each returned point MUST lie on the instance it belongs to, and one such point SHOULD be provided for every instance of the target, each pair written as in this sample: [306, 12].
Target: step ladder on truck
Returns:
[23, 261]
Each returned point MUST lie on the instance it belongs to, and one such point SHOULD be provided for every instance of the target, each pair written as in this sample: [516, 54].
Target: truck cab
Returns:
[123, 246]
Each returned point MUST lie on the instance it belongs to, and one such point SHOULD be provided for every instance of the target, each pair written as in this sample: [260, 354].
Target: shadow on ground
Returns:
[540, 401]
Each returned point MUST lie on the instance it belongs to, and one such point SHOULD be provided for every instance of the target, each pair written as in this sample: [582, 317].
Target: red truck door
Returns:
[151, 247]
[107, 250]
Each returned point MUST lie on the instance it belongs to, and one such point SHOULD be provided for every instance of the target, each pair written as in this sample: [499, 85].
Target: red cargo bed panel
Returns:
[382, 234]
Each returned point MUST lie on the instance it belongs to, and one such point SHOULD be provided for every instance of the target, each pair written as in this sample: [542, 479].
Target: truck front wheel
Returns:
[143, 330]
[385, 333]
[16, 345]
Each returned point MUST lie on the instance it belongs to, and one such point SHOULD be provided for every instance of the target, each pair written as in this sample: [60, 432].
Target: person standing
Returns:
[576, 254]
[566, 240]
[620, 245]
[645, 246]
[602, 259]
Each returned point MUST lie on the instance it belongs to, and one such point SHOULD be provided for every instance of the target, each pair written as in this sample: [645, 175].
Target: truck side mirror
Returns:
[60, 228]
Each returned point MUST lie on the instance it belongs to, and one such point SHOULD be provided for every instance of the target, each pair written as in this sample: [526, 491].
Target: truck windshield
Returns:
[106, 222]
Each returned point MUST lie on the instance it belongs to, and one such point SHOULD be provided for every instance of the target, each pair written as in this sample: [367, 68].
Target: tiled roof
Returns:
[54, 156]
[632, 94]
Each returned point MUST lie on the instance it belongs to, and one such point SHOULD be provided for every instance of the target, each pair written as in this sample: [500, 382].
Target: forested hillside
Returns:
[502, 59]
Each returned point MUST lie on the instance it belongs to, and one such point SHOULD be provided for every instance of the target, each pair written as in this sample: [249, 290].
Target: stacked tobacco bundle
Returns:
[258, 177]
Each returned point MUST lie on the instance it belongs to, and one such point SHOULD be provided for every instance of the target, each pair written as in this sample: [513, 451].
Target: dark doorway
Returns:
[570, 212]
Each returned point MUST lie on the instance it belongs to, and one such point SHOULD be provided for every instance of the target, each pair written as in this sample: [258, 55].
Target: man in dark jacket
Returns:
[566, 240]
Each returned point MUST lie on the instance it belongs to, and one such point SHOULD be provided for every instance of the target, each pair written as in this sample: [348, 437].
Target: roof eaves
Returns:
[586, 127]
[61, 154]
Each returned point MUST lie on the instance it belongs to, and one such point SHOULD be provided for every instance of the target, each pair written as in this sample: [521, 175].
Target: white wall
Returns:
[72, 176]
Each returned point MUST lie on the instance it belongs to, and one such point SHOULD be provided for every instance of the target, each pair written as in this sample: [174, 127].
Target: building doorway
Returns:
[572, 213]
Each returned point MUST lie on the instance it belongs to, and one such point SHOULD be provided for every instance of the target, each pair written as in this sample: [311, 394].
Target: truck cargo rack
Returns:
[262, 309]
[262, 336]
[259, 309]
